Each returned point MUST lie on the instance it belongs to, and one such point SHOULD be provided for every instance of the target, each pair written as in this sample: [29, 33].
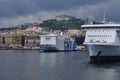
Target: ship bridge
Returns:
[101, 26]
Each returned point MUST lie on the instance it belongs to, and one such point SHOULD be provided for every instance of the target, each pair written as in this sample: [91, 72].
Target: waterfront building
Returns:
[7, 40]
[32, 41]
[1, 40]
[17, 40]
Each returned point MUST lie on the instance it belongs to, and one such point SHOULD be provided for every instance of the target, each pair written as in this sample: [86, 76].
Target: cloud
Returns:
[39, 17]
[17, 12]
[11, 8]
[96, 11]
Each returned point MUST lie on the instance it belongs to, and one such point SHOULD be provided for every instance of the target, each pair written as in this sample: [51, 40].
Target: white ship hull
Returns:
[103, 42]
[104, 52]
[49, 48]
[56, 43]
[58, 47]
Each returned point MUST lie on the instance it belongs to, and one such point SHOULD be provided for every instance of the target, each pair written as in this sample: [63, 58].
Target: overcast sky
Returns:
[16, 12]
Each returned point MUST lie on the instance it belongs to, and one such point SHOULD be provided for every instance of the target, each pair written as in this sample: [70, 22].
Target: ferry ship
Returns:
[102, 41]
[56, 43]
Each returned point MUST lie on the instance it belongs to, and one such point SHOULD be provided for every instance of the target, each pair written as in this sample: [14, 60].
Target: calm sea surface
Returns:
[33, 65]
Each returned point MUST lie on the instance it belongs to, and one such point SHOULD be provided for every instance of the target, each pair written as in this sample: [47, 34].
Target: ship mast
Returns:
[104, 17]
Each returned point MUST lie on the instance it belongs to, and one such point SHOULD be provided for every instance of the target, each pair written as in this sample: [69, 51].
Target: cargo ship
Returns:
[56, 43]
[102, 41]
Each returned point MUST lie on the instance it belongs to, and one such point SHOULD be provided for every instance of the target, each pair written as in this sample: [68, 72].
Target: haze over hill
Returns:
[59, 22]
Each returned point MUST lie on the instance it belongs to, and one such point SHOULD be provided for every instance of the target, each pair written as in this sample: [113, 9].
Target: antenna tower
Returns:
[104, 17]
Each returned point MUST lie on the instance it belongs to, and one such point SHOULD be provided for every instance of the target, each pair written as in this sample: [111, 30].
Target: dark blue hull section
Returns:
[104, 58]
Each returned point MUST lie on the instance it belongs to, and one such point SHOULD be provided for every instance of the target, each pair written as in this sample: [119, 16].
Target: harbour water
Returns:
[33, 65]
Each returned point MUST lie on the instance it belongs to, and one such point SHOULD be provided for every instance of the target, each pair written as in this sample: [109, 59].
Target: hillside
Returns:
[63, 24]
[60, 22]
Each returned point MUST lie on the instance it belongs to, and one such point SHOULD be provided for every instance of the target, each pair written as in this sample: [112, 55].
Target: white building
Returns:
[63, 17]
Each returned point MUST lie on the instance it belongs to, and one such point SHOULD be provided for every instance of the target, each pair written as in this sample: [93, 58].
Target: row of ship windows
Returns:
[98, 31]
[99, 35]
